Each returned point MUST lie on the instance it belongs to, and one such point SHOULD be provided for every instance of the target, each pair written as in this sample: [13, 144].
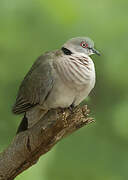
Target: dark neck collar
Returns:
[66, 51]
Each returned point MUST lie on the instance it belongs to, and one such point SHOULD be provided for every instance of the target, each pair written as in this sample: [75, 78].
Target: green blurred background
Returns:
[30, 27]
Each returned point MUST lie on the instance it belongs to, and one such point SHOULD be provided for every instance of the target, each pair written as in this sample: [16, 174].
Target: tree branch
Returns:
[29, 145]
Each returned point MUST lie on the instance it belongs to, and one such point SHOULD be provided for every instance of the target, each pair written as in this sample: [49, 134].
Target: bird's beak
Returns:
[95, 51]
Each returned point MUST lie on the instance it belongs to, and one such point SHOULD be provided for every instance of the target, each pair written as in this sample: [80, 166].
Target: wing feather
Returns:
[36, 85]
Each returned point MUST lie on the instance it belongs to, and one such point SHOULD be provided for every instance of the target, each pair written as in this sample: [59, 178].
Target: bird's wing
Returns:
[36, 85]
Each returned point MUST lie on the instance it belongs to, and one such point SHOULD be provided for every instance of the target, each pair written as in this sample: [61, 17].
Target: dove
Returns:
[61, 78]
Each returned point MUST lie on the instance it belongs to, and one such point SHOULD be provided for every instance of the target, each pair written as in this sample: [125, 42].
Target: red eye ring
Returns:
[84, 44]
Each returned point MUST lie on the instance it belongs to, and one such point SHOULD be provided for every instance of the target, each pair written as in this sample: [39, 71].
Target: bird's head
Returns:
[80, 45]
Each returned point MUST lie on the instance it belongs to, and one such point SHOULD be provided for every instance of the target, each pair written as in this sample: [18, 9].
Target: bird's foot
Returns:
[71, 107]
[84, 108]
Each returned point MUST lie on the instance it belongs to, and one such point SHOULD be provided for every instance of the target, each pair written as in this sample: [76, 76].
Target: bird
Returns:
[60, 78]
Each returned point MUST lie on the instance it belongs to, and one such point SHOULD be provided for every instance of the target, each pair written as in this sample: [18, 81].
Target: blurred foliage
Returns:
[29, 28]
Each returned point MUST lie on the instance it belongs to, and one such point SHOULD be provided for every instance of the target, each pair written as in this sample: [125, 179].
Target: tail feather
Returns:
[23, 125]
[34, 115]
[30, 118]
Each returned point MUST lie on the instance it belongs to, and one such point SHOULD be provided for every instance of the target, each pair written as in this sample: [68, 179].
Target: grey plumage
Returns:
[57, 79]
[36, 85]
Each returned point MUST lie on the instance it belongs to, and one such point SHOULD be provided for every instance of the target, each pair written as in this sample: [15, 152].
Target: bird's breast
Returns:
[73, 81]
[76, 71]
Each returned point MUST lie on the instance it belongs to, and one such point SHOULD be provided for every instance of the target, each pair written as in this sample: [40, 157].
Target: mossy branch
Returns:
[29, 145]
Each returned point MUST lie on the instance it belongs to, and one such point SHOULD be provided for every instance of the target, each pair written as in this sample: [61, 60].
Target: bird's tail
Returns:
[30, 118]
[23, 125]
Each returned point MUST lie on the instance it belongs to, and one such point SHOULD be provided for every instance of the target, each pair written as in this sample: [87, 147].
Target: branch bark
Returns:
[29, 145]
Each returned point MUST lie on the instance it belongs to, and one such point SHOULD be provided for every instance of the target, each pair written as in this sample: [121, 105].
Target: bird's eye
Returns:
[84, 44]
